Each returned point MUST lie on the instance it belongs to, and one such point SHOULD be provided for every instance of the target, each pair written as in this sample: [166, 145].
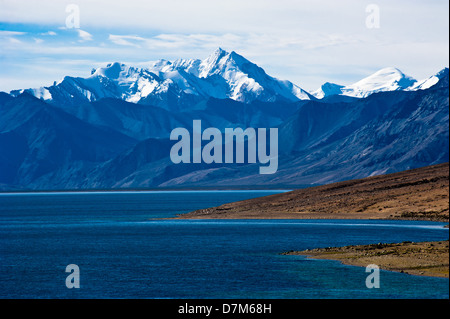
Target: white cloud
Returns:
[305, 41]
[13, 40]
[84, 35]
[6, 33]
[52, 33]
[127, 40]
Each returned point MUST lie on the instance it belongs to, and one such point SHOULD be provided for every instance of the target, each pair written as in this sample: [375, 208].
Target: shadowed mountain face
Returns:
[38, 139]
[111, 142]
[329, 142]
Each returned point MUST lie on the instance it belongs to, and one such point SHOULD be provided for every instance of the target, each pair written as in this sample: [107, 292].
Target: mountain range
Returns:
[174, 85]
[111, 129]
[384, 80]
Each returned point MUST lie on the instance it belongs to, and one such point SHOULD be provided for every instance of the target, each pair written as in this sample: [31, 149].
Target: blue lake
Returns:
[122, 252]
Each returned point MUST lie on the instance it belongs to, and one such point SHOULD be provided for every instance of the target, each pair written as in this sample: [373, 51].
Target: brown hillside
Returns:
[421, 193]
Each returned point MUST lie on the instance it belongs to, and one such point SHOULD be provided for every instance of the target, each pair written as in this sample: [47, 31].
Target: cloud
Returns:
[10, 38]
[127, 40]
[6, 33]
[308, 41]
[169, 44]
[14, 40]
[84, 35]
[52, 33]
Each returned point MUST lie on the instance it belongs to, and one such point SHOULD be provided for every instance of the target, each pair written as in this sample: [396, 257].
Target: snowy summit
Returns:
[222, 75]
[384, 80]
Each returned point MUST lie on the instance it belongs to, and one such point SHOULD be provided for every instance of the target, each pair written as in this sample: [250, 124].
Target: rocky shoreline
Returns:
[423, 259]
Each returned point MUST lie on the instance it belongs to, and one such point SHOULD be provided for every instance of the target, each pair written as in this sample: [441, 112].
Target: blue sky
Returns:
[306, 42]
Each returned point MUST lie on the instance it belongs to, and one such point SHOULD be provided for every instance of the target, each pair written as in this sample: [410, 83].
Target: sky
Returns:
[308, 42]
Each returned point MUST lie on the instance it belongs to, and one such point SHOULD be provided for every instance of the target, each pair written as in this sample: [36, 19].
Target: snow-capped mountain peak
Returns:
[160, 66]
[386, 79]
[221, 75]
[112, 70]
[190, 66]
[328, 89]
[213, 63]
[229, 75]
[430, 81]
[163, 83]
[130, 84]
[246, 80]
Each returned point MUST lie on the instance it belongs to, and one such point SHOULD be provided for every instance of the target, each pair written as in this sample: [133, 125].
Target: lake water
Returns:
[122, 253]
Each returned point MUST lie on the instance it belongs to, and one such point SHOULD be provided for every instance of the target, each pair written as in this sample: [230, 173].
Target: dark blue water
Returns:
[123, 253]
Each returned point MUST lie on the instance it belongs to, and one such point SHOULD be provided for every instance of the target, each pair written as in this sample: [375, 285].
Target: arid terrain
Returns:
[421, 194]
[426, 258]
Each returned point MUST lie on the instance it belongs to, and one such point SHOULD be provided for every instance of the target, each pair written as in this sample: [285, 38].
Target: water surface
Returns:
[123, 253]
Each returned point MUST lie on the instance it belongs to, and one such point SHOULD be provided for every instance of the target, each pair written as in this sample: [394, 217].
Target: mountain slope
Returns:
[111, 130]
[135, 120]
[245, 81]
[321, 143]
[429, 82]
[420, 193]
[36, 139]
[328, 89]
[147, 121]
[384, 133]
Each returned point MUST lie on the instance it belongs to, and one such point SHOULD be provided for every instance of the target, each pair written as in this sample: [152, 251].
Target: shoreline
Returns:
[418, 194]
[415, 258]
